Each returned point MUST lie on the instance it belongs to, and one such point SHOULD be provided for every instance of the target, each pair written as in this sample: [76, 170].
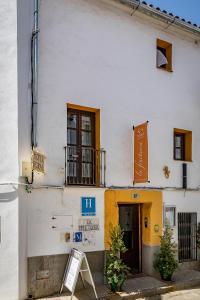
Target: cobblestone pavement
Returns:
[193, 294]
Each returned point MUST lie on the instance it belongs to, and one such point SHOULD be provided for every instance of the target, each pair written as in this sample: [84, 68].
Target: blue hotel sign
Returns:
[88, 206]
[78, 237]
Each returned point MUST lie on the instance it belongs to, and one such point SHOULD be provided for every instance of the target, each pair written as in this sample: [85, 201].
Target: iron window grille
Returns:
[187, 237]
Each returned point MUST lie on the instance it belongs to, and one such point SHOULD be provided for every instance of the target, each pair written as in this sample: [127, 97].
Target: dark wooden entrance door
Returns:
[129, 222]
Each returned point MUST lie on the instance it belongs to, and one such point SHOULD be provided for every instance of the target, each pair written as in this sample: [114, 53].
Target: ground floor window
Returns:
[170, 215]
[187, 236]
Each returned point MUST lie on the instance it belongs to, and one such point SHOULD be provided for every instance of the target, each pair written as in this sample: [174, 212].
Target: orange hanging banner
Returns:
[140, 154]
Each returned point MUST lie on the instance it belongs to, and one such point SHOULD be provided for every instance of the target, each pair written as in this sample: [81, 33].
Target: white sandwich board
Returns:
[77, 264]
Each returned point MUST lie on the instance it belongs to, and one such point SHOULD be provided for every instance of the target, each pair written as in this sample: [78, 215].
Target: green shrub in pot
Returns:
[165, 262]
[116, 270]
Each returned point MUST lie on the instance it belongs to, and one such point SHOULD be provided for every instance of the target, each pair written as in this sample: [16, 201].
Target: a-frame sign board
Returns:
[77, 264]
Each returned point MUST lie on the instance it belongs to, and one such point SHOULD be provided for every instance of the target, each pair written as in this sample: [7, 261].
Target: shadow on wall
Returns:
[8, 196]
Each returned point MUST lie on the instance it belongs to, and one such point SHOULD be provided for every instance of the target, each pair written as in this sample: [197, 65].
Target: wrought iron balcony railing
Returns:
[85, 166]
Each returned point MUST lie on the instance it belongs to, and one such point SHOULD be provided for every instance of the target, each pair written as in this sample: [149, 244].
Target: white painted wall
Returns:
[45, 204]
[24, 29]
[93, 53]
[9, 265]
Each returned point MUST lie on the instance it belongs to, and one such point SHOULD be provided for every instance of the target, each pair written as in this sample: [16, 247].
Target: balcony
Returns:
[85, 166]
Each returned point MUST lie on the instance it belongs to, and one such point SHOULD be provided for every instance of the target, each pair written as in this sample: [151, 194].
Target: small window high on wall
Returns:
[164, 55]
[182, 144]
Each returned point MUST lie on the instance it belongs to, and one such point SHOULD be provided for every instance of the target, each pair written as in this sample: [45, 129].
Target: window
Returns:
[170, 215]
[164, 55]
[179, 146]
[182, 144]
[81, 146]
[84, 158]
[187, 236]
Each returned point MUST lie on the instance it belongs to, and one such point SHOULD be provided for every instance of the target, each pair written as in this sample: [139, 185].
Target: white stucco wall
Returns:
[93, 53]
[43, 205]
[24, 29]
[9, 266]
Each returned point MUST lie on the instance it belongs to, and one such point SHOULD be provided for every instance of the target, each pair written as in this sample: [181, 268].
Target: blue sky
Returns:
[188, 9]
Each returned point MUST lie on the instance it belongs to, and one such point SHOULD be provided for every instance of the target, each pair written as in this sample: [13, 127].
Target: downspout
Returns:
[34, 80]
[35, 74]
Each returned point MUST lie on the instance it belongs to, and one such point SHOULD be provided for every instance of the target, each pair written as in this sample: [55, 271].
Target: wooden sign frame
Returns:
[38, 161]
[77, 264]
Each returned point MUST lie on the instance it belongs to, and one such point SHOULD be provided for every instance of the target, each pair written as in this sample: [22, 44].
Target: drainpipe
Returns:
[34, 67]
[34, 80]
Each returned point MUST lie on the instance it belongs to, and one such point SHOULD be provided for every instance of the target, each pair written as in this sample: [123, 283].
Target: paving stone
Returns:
[143, 283]
[193, 294]
[146, 287]
[84, 294]
[186, 275]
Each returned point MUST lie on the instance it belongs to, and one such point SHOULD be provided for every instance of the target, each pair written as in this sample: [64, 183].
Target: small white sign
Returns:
[89, 224]
[62, 222]
[72, 272]
[77, 263]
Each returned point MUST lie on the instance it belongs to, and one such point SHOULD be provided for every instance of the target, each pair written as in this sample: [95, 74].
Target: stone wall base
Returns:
[148, 255]
[45, 273]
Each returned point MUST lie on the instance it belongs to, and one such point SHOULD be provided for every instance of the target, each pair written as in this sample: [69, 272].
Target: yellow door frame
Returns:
[151, 223]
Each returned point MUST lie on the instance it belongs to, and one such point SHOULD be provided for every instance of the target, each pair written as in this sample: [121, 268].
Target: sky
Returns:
[188, 9]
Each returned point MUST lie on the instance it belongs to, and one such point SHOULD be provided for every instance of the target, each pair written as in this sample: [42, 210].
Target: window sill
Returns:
[85, 186]
[189, 161]
[166, 70]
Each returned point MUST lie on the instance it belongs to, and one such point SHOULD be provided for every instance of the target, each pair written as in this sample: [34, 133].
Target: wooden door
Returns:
[129, 222]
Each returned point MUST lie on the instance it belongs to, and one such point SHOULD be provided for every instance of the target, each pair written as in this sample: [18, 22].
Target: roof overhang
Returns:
[158, 14]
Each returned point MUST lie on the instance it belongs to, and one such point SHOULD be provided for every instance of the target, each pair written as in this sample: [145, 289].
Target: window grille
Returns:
[187, 236]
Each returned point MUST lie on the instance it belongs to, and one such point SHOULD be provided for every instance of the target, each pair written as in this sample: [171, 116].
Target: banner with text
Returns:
[140, 153]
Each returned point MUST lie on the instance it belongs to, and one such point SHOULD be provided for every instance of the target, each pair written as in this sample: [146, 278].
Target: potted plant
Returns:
[165, 261]
[116, 270]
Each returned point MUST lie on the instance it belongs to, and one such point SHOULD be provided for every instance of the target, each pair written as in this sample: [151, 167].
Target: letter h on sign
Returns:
[88, 206]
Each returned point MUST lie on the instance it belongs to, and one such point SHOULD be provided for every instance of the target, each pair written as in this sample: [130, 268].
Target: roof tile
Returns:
[169, 14]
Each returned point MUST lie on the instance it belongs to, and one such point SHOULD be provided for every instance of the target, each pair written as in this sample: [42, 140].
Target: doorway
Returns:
[129, 220]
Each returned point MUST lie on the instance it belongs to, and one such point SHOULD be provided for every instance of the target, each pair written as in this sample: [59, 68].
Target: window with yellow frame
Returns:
[182, 144]
[164, 55]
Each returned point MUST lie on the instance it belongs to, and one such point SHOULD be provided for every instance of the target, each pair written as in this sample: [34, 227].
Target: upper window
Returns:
[182, 144]
[81, 146]
[164, 55]
[85, 161]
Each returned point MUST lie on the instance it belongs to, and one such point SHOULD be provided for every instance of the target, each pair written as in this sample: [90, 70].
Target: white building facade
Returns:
[98, 76]
[9, 200]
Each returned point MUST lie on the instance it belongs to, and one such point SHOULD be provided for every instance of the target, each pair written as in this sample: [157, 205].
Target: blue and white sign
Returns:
[88, 206]
[78, 237]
